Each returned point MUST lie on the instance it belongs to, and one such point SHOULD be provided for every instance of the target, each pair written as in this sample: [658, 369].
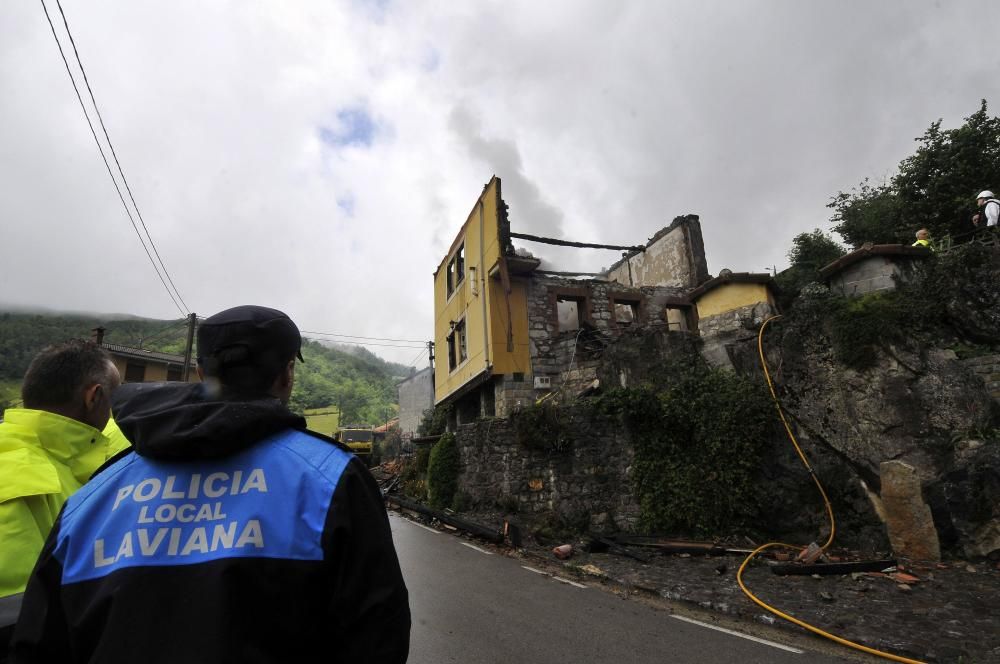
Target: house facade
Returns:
[138, 365]
[415, 397]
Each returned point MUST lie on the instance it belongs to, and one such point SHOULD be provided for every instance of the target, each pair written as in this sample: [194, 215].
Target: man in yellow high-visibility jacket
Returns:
[923, 239]
[48, 450]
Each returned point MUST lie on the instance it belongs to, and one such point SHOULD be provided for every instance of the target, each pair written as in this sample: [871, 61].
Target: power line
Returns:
[413, 362]
[357, 343]
[105, 159]
[355, 336]
[172, 327]
[115, 155]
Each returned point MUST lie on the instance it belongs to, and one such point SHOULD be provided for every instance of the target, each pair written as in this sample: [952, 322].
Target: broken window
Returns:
[569, 311]
[456, 269]
[626, 312]
[677, 319]
[457, 348]
[463, 352]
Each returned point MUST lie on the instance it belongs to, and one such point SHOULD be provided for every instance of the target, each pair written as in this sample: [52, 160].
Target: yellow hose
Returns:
[829, 541]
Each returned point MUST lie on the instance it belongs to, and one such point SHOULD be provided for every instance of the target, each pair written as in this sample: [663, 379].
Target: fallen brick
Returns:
[563, 551]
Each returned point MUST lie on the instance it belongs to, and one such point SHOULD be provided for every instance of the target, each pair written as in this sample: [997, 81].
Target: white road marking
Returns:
[572, 583]
[742, 636]
[430, 530]
[472, 546]
[536, 571]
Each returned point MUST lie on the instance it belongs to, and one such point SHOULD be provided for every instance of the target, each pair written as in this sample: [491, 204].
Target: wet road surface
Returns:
[470, 604]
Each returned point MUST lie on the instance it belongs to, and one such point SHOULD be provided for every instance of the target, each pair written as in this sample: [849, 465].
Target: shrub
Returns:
[434, 421]
[442, 472]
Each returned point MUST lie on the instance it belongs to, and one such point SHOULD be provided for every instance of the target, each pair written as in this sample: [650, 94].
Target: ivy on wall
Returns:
[541, 427]
[699, 437]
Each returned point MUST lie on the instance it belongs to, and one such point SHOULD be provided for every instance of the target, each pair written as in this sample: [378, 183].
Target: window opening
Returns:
[569, 313]
[676, 319]
[463, 352]
[626, 313]
[135, 373]
[457, 347]
[174, 373]
[456, 269]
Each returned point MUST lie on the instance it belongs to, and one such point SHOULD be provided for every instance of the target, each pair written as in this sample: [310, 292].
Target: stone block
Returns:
[908, 518]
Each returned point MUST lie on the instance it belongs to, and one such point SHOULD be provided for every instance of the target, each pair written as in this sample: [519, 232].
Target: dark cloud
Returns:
[529, 207]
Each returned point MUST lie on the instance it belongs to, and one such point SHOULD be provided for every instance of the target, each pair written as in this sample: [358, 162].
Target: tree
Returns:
[813, 251]
[810, 252]
[933, 189]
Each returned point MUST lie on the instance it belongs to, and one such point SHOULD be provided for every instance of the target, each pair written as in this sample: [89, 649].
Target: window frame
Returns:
[455, 270]
[635, 300]
[458, 346]
[584, 309]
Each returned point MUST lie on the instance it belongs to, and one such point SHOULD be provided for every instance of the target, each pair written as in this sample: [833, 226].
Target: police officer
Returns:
[48, 450]
[230, 534]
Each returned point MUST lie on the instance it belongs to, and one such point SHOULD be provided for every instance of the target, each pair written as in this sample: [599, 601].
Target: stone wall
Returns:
[513, 391]
[675, 257]
[588, 480]
[987, 367]
[870, 275]
[554, 351]
[721, 332]
[743, 319]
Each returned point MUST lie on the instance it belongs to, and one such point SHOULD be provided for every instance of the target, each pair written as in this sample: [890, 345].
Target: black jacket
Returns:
[230, 535]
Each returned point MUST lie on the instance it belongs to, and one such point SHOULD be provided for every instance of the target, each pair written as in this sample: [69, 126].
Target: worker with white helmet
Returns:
[989, 209]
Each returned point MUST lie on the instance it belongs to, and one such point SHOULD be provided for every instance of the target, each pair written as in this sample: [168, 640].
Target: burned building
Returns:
[509, 333]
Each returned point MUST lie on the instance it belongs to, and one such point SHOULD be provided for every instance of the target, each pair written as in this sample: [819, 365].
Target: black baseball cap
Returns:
[247, 336]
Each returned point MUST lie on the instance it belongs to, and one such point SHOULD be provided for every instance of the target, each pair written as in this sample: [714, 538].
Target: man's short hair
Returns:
[246, 348]
[58, 373]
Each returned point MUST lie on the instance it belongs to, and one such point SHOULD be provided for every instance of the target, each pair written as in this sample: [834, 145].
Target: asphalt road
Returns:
[472, 605]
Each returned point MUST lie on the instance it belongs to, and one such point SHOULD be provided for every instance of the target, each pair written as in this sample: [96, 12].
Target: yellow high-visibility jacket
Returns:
[44, 458]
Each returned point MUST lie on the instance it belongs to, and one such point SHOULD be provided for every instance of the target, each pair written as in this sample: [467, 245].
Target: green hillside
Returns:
[323, 420]
[357, 383]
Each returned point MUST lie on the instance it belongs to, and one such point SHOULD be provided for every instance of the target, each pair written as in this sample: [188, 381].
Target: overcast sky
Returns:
[319, 157]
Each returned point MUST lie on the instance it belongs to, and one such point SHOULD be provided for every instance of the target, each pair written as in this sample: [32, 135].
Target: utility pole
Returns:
[430, 355]
[192, 321]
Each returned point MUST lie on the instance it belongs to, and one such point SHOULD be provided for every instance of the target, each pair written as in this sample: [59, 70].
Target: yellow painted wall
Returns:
[517, 360]
[732, 296]
[478, 300]
[155, 371]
